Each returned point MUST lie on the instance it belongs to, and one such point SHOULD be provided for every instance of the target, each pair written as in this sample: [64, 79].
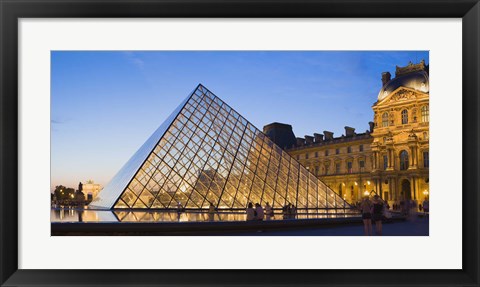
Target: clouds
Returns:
[105, 103]
[134, 60]
[56, 122]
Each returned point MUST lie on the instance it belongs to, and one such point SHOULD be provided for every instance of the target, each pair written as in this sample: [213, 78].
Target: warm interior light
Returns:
[368, 182]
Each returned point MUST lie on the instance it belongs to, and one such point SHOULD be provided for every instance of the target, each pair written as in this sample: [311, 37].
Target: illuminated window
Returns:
[349, 167]
[404, 117]
[403, 160]
[426, 161]
[385, 120]
[425, 114]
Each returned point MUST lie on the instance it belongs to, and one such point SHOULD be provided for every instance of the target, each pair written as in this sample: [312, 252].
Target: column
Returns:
[412, 157]
[360, 187]
[375, 160]
[416, 188]
[415, 154]
[375, 149]
[390, 185]
[390, 159]
[380, 186]
[418, 155]
[395, 193]
[412, 188]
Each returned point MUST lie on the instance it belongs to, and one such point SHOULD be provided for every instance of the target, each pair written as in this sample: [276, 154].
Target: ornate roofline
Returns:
[377, 103]
[411, 67]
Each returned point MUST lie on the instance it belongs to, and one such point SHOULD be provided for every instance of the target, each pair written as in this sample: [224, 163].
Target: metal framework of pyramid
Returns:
[205, 152]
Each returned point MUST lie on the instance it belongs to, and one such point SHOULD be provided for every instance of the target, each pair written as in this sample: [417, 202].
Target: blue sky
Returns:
[104, 105]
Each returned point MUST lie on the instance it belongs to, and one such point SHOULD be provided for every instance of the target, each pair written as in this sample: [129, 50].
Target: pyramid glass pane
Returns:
[206, 153]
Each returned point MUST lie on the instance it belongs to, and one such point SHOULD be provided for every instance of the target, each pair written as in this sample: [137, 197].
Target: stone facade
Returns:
[390, 159]
[344, 163]
[91, 188]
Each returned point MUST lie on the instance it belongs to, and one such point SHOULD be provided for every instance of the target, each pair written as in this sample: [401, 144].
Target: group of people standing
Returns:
[410, 207]
[373, 210]
[289, 211]
[425, 206]
[258, 213]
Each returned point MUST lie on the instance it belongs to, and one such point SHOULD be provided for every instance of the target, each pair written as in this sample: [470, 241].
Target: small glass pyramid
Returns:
[206, 152]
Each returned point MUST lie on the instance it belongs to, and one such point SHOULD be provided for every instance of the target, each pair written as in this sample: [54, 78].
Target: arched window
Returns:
[404, 117]
[425, 114]
[385, 120]
[403, 160]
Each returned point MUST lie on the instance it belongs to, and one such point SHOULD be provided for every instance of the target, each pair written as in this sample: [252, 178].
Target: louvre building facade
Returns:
[390, 159]
[206, 153]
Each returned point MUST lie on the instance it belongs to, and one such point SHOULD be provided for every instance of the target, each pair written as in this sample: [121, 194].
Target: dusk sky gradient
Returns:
[105, 105]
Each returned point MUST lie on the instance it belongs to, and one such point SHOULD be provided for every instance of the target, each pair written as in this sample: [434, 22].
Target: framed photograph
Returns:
[207, 170]
[268, 143]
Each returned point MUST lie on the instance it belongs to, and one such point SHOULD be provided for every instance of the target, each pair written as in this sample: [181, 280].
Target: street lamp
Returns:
[425, 193]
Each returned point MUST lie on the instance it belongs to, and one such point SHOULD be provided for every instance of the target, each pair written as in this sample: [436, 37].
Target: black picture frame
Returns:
[11, 11]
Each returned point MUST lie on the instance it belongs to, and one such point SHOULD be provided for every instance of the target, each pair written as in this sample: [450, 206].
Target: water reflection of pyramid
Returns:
[205, 152]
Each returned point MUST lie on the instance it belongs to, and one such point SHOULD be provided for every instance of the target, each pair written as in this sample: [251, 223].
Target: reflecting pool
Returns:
[88, 215]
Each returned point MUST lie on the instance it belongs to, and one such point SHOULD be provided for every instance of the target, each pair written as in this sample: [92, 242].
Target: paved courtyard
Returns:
[416, 227]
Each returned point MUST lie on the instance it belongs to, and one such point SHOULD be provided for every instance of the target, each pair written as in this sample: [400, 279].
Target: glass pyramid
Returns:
[206, 152]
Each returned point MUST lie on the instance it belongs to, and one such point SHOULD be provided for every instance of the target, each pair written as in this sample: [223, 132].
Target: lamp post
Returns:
[425, 193]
